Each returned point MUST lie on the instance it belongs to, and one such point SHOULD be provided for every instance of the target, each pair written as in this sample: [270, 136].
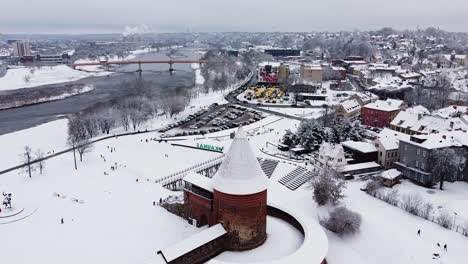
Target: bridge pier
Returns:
[139, 68]
[171, 69]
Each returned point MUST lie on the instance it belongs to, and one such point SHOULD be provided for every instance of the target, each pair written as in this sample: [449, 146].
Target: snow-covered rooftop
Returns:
[451, 111]
[364, 147]
[390, 174]
[390, 138]
[199, 180]
[179, 249]
[388, 105]
[240, 172]
[359, 166]
[271, 63]
[351, 105]
[435, 141]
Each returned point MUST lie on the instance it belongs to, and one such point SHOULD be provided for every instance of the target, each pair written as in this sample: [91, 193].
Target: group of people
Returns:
[6, 200]
[435, 255]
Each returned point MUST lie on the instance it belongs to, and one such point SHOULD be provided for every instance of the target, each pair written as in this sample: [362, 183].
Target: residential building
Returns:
[331, 155]
[360, 152]
[387, 144]
[414, 123]
[349, 110]
[364, 98]
[311, 73]
[381, 113]
[415, 153]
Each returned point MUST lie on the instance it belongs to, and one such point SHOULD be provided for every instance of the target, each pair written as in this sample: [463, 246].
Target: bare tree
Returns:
[444, 165]
[40, 160]
[84, 147]
[343, 221]
[27, 158]
[412, 203]
[427, 210]
[444, 220]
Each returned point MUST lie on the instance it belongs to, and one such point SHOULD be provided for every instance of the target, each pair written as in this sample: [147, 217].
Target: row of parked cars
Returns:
[213, 119]
[187, 119]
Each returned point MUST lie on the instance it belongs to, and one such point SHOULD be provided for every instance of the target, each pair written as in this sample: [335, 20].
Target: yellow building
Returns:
[311, 72]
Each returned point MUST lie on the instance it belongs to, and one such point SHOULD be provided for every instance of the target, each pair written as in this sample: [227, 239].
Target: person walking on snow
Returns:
[445, 247]
[419, 232]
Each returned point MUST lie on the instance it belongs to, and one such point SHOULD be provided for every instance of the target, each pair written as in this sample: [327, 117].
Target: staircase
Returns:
[300, 180]
[269, 166]
[291, 175]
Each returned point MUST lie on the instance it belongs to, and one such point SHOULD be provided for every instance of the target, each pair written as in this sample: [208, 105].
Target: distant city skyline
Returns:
[105, 16]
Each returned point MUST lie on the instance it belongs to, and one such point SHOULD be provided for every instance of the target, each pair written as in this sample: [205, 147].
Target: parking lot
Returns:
[213, 119]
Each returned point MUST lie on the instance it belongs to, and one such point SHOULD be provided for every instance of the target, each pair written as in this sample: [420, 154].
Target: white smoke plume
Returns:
[138, 29]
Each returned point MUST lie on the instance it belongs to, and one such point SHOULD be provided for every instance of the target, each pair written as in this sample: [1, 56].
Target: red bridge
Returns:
[139, 63]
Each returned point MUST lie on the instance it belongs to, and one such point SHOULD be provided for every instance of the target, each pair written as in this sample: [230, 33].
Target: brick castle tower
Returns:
[240, 196]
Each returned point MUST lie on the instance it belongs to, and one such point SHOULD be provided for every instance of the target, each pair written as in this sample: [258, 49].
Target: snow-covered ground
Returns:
[454, 198]
[47, 137]
[389, 235]
[60, 96]
[299, 112]
[18, 77]
[278, 233]
[199, 80]
[114, 222]
[109, 216]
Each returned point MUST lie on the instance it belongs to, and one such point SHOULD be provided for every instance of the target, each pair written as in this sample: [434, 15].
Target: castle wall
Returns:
[200, 208]
[243, 217]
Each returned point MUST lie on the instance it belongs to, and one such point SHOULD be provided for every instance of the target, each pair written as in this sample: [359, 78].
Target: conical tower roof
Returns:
[240, 173]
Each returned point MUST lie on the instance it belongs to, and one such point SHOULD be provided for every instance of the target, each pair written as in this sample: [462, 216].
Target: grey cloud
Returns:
[67, 16]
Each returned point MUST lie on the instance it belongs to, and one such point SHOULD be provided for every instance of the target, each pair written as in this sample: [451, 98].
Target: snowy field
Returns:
[48, 137]
[109, 216]
[454, 198]
[114, 220]
[388, 236]
[17, 78]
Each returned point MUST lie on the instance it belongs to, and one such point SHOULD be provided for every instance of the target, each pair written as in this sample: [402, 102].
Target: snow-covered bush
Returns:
[444, 220]
[426, 210]
[342, 221]
[391, 197]
[412, 203]
[373, 186]
[328, 187]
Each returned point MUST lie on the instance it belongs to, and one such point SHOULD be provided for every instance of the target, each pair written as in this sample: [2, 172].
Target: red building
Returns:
[236, 197]
[381, 113]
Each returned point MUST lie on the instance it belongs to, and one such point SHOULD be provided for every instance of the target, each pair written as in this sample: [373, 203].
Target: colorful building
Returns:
[381, 113]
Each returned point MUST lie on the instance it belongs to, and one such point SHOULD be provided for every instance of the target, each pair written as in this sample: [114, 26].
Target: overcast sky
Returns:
[99, 16]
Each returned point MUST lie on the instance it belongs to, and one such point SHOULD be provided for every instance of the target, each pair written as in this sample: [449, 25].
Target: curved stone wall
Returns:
[243, 217]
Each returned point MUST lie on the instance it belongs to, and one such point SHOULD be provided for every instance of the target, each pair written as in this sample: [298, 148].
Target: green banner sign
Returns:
[209, 147]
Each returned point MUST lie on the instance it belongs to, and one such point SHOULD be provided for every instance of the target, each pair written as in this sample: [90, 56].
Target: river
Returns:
[105, 89]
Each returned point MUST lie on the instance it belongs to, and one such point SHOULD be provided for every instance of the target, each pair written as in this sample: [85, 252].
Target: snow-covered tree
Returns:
[444, 165]
[343, 221]
[290, 138]
[310, 133]
[328, 187]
